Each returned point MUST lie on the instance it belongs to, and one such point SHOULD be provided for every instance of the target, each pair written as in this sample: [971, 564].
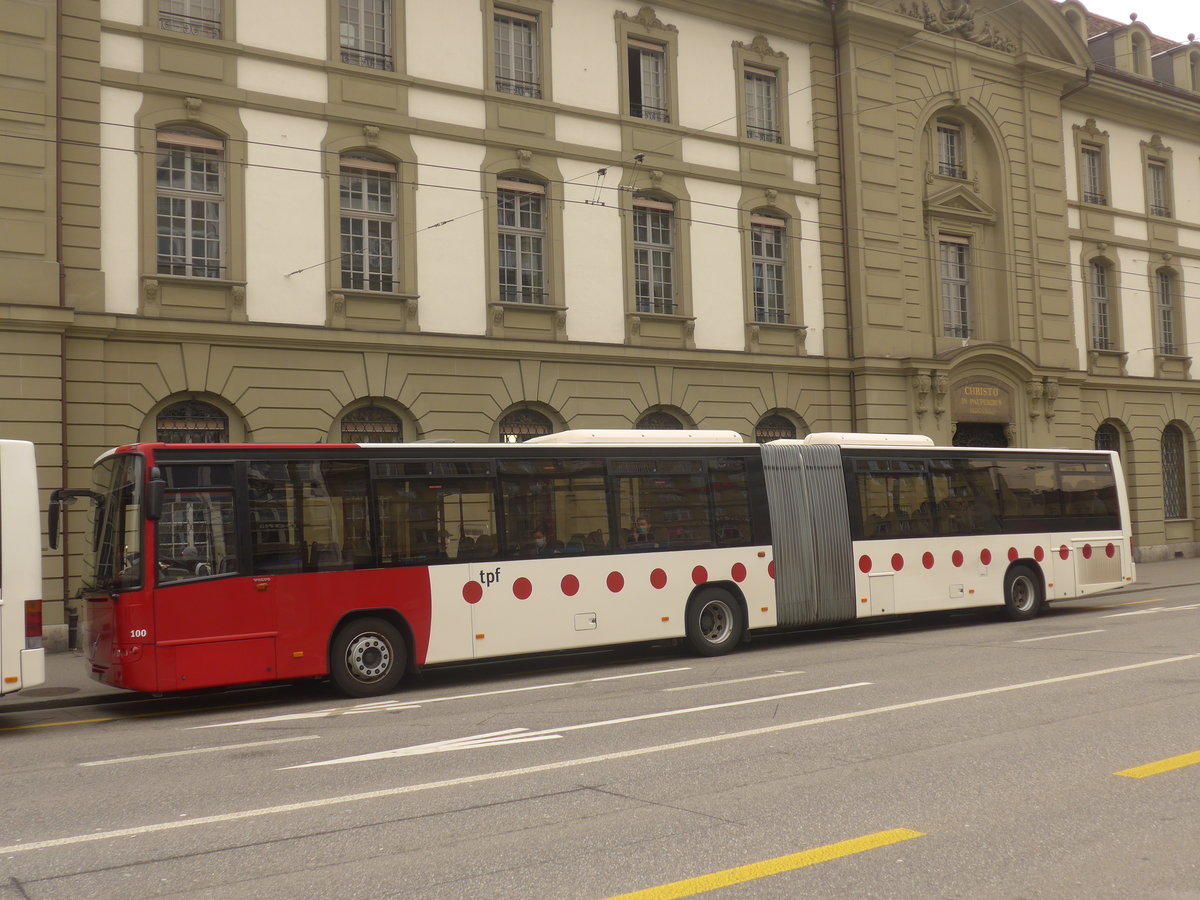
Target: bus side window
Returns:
[432, 520]
[195, 531]
[663, 505]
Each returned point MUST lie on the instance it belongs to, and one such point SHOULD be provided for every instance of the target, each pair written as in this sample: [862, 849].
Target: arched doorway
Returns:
[980, 434]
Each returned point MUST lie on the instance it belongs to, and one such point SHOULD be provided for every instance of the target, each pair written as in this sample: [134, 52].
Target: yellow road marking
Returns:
[1165, 765]
[689, 887]
[149, 715]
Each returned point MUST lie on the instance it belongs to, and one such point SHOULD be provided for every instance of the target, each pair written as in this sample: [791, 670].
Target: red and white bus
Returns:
[22, 659]
[229, 564]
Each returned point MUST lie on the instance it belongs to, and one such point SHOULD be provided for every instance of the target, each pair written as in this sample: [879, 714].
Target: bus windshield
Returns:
[113, 560]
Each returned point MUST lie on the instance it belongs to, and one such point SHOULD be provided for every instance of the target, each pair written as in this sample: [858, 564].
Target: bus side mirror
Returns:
[154, 494]
[52, 516]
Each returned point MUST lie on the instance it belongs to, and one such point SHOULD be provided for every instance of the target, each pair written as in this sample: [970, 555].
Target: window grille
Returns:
[192, 422]
[762, 105]
[201, 18]
[368, 224]
[190, 204]
[774, 428]
[654, 257]
[659, 421]
[521, 236]
[522, 424]
[516, 43]
[1108, 438]
[1101, 328]
[1174, 474]
[365, 27]
[955, 278]
[767, 269]
[371, 425]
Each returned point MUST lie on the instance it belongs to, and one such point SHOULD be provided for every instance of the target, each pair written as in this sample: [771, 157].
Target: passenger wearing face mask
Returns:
[640, 533]
[540, 546]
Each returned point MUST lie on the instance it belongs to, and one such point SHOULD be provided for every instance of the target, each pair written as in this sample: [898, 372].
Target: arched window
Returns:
[368, 223]
[190, 203]
[371, 425]
[658, 421]
[1174, 473]
[522, 424]
[774, 428]
[192, 422]
[1108, 438]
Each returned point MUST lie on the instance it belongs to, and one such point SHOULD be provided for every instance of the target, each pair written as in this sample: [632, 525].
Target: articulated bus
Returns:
[22, 663]
[230, 564]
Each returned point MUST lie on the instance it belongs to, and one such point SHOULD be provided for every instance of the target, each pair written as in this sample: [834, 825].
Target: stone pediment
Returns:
[959, 202]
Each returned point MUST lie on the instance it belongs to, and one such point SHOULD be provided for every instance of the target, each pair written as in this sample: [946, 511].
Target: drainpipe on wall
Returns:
[841, 151]
[70, 614]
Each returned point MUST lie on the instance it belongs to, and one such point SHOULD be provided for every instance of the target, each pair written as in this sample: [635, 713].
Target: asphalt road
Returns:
[954, 756]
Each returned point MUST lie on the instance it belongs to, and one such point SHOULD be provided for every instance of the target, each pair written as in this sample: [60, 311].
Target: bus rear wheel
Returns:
[1022, 593]
[367, 657]
[714, 623]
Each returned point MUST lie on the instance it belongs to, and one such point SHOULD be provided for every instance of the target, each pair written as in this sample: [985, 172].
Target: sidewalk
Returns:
[68, 682]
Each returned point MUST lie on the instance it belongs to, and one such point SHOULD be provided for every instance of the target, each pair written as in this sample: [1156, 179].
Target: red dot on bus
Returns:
[864, 564]
[699, 575]
[1038, 553]
[739, 572]
[957, 558]
[897, 562]
[570, 585]
[771, 568]
[1063, 552]
[1013, 554]
[985, 556]
[658, 579]
[522, 588]
[615, 582]
[927, 559]
[1110, 551]
[472, 592]
[1087, 551]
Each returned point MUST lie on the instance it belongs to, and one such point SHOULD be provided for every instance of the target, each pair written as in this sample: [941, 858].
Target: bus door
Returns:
[214, 625]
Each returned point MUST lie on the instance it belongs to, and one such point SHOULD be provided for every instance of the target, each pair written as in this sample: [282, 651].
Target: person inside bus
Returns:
[539, 545]
[640, 533]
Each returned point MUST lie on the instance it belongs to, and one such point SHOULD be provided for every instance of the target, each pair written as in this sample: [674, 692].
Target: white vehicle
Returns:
[22, 663]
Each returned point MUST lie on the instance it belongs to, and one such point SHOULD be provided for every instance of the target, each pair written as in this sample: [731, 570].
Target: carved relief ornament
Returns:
[647, 19]
[957, 19]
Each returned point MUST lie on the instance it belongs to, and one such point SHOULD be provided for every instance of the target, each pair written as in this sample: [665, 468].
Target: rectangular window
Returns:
[767, 268]
[1092, 164]
[663, 504]
[1164, 296]
[653, 256]
[893, 496]
[955, 286]
[1101, 327]
[648, 81]
[950, 150]
[365, 27]
[425, 520]
[196, 532]
[368, 224]
[190, 205]
[554, 507]
[762, 104]
[516, 39]
[521, 236]
[1160, 201]
[199, 17]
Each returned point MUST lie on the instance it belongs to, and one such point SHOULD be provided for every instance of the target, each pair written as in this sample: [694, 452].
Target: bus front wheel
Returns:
[367, 657]
[1022, 593]
[714, 622]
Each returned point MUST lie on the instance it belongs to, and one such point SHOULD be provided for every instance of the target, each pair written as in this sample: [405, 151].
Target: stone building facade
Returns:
[481, 220]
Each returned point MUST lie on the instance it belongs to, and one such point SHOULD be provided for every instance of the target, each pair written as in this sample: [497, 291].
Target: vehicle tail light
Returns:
[33, 618]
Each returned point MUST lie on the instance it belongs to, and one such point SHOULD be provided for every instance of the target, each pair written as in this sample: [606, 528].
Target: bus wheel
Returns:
[367, 657]
[714, 623]
[1022, 593]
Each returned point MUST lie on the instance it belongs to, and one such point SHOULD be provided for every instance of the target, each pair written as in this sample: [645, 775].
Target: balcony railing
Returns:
[518, 87]
[1164, 211]
[210, 28]
[653, 113]
[952, 170]
[352, 56]
[1098, 199]
[770, 135]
